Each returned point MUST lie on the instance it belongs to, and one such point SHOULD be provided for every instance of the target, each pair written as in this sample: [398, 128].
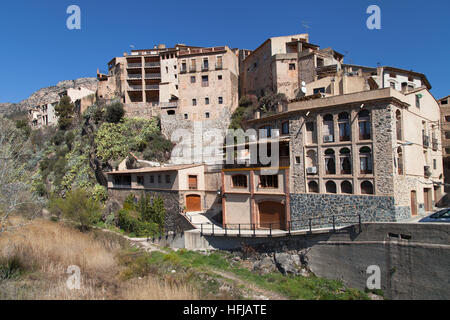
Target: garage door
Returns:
[271, 213]
[193, 203]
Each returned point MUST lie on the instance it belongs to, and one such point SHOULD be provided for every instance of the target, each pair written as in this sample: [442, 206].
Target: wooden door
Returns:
[271, 213]
[193, 203]
[413, 203]
[427, 199]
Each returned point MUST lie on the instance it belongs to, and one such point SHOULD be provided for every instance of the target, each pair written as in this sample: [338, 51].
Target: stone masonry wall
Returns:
[345, 208]
[171, 203]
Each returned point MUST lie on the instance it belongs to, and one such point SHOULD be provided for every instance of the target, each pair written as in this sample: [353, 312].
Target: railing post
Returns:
[310, 225]
[239, 230]
[201, 229]
[334, 224]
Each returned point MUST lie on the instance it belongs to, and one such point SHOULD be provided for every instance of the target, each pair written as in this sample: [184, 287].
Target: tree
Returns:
[243, 112]
[79, 207]
[65, 112]
[15, 187]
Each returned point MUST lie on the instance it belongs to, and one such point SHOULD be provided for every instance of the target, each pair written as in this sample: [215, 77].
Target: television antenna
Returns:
[305, 25]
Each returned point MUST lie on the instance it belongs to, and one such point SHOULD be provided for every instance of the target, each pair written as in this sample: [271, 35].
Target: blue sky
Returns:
[38, 50]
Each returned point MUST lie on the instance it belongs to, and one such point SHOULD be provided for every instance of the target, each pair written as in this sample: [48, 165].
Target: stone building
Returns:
[191, 187]
[282, 64]
[375, 153]
[444, 104]
[44, 114]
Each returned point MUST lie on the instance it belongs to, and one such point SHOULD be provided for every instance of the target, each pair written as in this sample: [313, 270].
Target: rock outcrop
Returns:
[47, 95]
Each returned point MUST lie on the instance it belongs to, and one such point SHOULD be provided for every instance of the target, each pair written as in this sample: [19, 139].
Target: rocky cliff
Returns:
[47, 95]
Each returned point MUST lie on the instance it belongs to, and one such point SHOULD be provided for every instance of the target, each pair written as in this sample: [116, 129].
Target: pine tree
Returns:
[65, 112]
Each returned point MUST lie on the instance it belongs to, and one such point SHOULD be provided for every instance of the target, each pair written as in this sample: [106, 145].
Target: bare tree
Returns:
[15, 151]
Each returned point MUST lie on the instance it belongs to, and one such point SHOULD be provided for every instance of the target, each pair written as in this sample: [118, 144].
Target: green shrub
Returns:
[114, 112]
[129, 221]
[79, 207]
[100, 193]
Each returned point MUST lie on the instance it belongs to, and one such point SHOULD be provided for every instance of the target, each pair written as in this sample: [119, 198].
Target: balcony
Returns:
[166, 105]
[205, 84]
[134, 88]
[134, 76]
[152, 64]
[426, 171]
[134, 66]
[152, 87]
[153, 76]
[426, 141]
[219, 66]
[183, 69]
[435, 144]
[205, 67]
[192, 69]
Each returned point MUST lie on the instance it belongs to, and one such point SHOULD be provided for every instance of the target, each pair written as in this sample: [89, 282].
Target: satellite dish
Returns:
[304, 87]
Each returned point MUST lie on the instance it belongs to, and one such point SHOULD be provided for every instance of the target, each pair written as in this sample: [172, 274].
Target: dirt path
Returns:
[253, 291]
[256, 292]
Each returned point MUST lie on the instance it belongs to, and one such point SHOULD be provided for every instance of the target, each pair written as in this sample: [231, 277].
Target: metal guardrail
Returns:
[308, 224]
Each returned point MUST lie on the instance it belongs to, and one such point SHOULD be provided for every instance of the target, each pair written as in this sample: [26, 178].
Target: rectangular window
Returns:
[207, 115]
[140, 180]
[418, 100]
[447, 134]
[186, 116]
[219, 77]
[194, 102]
[291, 66]
[220, 100]
[167, 178]
[434, 164]
[268, 181]
[285, 128]
[159, 178]
[319, 90]
[192, 182]
[297, 160]
[192, 79]
[239, 181]
[206, 100]
[447, 118]
[152, 179]
[205, 82]
[205, 65]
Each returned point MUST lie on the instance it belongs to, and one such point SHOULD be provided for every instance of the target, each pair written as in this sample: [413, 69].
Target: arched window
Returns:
[345, 161]
[313, 187]
[239, 181]
[311, 136]
[400, 160]
[346, 187]
[364, 125]
[344, 126]
[170, 112]
[365, 160]
[398, 124]
[330, 162]
[328, 128]
[330, 187]
[366, 187]
[311, 161]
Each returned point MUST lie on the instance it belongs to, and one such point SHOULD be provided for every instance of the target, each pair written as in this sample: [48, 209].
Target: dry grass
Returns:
[151, 289]
[43, 250]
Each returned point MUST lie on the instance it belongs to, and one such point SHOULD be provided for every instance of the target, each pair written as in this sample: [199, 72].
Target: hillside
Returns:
[46, 95]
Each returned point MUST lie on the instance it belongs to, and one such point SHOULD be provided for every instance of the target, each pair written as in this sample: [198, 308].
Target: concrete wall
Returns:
[413, 258]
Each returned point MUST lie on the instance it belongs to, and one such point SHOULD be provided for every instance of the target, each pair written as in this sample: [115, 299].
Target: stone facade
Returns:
[345, 209]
